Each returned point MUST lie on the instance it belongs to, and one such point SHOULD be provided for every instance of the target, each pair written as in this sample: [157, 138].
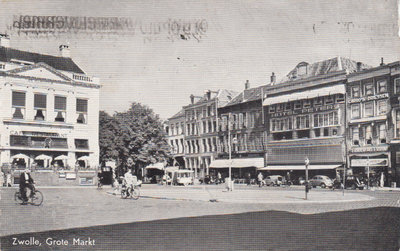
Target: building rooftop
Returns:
[251, 94]
[181, 113]
[59, 63]
[304, 70]
[223, 95]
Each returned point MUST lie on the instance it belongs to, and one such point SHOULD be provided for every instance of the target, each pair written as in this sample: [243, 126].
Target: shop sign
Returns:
[61, 175]
[369, 162]
[38, 134]
[70, 176]
[305, 110]
[368, 98]
[369, 149]
[86, 181]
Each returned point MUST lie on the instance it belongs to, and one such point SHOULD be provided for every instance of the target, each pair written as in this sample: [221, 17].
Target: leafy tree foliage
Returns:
[137, 133]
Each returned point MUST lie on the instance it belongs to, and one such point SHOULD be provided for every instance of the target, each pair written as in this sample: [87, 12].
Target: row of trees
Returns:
[136, 133]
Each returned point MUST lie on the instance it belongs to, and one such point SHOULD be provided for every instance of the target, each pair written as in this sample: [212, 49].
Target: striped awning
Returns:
[298, 167]
[319, 92]
[237, 163]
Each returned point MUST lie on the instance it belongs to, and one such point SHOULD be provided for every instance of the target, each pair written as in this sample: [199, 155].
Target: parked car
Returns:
[273, 180]
[321, 180]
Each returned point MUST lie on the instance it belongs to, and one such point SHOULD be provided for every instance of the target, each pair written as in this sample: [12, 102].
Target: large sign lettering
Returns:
[304, 110]
[369, 162]
[368, 98]
[369, 149]
[38, 134]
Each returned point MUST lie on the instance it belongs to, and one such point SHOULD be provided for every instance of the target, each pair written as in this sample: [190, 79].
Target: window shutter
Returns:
[81, 105]
[60, 103]
[40, 101]
[18, 98]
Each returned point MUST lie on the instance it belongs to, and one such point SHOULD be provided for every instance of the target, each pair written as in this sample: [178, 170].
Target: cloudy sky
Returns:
[237, 40]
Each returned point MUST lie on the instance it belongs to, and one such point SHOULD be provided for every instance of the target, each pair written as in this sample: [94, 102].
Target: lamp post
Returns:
[306, 162]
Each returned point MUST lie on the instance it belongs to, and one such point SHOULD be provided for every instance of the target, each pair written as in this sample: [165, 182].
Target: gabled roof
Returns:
[39, 65]
[223, 95]
[181, 113]
[59, 63]
[323, 67]
[251, 94]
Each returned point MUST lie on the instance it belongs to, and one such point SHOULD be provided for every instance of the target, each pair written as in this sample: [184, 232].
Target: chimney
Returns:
[64, 51]
[192, 99]
[247, 85]
[5, 40]
[273, 78]
[359, 66]
[382, 64]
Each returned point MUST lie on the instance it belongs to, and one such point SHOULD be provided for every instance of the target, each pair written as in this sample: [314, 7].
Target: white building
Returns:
[49, 109]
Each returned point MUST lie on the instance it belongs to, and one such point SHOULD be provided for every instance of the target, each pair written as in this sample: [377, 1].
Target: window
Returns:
[40, 106]
[355, 91]
[279, 107]
[240, 120]
[297, 105]
[60, 106]
[326, 131]
[317, 132]
[397, 86]
[369, 109]
[369, 89]
[355, 111]
[382, 133]
[18, 105]
[339, 98]
[288, 106]
[368, 135]
[318, 101]
[397, 123]
[382, 107]
[81, 108]
[271, 109]
[302, 122]
[328, 100]
[355, 136]
[307, 103]
[82, 144]
[382, 86]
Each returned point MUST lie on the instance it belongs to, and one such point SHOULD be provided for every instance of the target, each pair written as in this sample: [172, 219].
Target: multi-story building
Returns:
[201, 129]
[373, 134]
[175, 137]
[49, 110]
[245, 115]
[306, 116]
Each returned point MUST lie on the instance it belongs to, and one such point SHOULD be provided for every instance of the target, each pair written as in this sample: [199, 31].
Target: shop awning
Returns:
[237, 163]
[298, 167]
[324, 91]
[43, 157]
[20, 156]
[159, 166]
[171, 169]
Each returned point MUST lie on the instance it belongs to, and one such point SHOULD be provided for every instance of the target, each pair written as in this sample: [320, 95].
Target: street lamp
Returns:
[306, 162]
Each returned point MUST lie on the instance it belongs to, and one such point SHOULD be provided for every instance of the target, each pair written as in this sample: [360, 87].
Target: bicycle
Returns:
[132, 191]
[34, 197]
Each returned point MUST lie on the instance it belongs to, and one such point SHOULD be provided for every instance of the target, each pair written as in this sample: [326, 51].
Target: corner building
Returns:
[306, 118]
[49, 110]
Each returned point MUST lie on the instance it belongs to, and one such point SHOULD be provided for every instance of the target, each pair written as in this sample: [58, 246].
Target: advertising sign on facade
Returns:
[70, 176]
[369, 162]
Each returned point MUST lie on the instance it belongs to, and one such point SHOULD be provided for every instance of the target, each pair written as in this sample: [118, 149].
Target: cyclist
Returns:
[26, 181]
[129, 178]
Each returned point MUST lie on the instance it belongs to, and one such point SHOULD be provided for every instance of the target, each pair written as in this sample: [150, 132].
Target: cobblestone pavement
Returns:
[81, 207]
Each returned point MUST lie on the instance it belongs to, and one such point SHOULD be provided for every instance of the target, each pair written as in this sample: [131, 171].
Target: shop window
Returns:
[282, 136]
[355, 136]
[397, 86]
[307, 103]
[271, 109]
[355, 111]
[328, 100]
[18, 105]
[339, 98]
[368, 135]
[382, 133]
[382, 86]
[369, 109]
[369, 89]
[382, 107]
[297, 105]
[355, 91]
[318, 101]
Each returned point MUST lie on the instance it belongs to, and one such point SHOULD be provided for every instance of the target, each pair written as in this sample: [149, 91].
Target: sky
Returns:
[229, 42]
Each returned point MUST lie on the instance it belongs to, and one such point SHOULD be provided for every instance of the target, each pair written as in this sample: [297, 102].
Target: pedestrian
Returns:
[260, 178]
[219, 178]
[248, 179]
[8, 180]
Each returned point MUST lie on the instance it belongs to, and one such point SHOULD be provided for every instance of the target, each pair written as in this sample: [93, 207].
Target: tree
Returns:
[137, 133]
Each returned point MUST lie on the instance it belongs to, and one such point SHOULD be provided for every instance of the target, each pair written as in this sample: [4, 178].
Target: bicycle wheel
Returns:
[17, 198]
[129, 192]
[37, 199]
[124, 194]
[135, 193]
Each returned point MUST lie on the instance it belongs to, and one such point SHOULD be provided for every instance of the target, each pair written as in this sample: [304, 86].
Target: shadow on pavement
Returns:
[363, 229]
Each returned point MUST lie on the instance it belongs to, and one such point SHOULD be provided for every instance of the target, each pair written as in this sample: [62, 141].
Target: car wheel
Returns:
[323, 185]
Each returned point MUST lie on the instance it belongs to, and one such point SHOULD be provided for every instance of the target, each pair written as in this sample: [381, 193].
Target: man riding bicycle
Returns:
[26, 181]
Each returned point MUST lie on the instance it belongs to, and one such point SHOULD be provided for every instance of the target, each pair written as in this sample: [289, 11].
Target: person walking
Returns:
[260, 178]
